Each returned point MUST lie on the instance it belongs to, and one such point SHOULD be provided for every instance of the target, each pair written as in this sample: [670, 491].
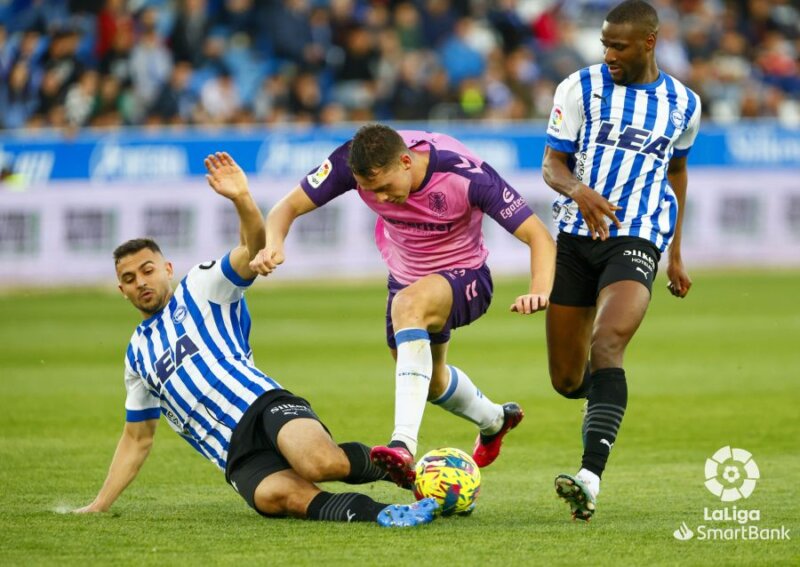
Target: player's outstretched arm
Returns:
[595, 208]
[543, 266]
[227, 178]
[679, 280]
[279, 220]
[132, 450]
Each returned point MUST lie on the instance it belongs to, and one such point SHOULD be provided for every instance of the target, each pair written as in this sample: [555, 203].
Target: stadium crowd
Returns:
[108, 63]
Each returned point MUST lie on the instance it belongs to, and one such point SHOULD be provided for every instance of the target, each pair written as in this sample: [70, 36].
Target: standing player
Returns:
[617, 143]
[430, 193]
[190, 360]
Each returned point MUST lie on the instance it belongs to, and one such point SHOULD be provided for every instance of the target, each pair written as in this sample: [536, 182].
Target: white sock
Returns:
[591, 480]
[463, 399]
[412, 381]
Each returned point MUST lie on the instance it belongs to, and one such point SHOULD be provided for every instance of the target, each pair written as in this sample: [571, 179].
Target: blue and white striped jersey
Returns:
[621, 139]
[192, 361]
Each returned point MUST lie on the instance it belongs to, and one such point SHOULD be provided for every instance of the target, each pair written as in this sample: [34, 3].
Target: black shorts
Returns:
[585, 266]
[253, 452]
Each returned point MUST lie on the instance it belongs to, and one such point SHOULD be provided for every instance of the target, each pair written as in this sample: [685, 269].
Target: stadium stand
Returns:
[110, 63]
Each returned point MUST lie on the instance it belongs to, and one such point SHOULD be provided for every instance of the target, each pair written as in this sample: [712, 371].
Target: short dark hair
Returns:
[133, 246]
[373, 147]
[634, 12]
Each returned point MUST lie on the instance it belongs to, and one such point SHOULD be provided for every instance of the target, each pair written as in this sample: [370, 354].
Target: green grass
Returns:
[718, 368]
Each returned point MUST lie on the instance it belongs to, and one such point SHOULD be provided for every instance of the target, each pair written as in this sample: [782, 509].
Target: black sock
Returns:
[344, 507]
[583, 389]
[361, 468]
[608, 399]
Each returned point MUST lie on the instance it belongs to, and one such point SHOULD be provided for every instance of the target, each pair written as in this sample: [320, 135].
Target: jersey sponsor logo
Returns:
[437, 203]
[677, 118]
[171, 360]
[509, 211]
[421, 226]
[508, 195]
[322, 173]
[179, 314]
[556, 118]
[634, 139]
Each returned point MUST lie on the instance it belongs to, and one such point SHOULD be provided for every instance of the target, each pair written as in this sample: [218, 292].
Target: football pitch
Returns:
[720, 368]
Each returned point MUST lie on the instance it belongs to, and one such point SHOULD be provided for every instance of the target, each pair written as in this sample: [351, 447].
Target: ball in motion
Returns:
[451, 477]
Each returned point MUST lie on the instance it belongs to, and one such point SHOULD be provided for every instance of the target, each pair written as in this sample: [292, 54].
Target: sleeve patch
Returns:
[556, 118]
[315, 179]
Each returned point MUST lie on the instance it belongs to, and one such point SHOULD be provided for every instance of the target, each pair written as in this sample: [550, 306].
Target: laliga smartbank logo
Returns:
[731, 474]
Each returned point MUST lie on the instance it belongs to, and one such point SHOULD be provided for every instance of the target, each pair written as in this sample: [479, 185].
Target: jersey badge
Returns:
[179, 314]
[322, 173]
[437, 203]
[677, 118]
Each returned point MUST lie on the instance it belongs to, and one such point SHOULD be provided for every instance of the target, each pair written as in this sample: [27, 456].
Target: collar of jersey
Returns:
[433, 163]
[160, 312]
[637, 86]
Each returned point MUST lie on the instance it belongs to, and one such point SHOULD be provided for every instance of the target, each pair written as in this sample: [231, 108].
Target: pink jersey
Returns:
[439, 226]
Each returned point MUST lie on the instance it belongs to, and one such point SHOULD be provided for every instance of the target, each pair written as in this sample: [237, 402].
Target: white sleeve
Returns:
[140, 404]
[566, 118]
[684, 142]
[217, 281]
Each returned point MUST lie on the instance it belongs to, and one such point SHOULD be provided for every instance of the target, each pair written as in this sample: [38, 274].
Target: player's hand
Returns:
[679, 281]
[530, 303]
[225, 176]
[596, 211]
[267, 259]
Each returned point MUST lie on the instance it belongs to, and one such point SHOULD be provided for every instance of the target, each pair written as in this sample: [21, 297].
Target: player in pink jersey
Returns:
[430, 194]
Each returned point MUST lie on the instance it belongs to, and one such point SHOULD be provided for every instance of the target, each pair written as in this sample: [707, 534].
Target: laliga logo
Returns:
[731, 474]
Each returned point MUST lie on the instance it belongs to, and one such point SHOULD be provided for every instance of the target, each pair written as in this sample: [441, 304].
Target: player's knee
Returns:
[565, 379]
[270, 501]
[608, 347]
[566, 384]
[405, 308]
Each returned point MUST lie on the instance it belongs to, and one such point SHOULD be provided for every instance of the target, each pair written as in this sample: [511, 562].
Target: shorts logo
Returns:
[179, 314]
[289, 409]
[437, 203]
[556, 118]
[677, 118]
[731, 474]
[322, 173]
[639, 257]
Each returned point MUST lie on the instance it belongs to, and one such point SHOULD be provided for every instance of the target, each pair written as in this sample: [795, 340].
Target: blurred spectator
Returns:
[305, 98]
[271, 102]
[355, 86]
[220, 98]
[151, 61]
[80, 99]
[113, 19]
[176, 102]
[17, 97]
[112, 104]
[189, 31]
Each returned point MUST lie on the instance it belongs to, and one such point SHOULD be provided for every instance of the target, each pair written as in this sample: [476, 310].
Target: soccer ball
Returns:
[451, 477]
